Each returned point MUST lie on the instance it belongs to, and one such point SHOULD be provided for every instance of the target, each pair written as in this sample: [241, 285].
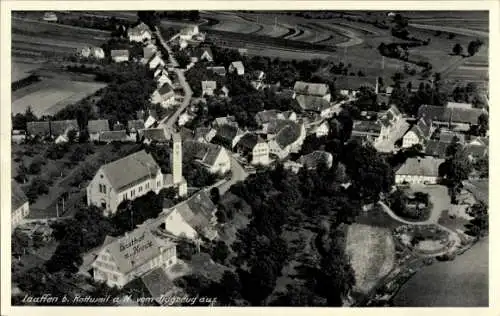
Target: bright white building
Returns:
[133, 176]
[20, 207]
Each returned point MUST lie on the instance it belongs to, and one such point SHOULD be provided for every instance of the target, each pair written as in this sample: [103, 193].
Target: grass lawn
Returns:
[378, 218]
[454, 223]
[49, 96]
[372, 254]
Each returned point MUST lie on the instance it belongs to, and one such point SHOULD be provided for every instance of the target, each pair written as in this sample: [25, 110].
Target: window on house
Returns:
[132, 193]
[140, 188]
[158, 184]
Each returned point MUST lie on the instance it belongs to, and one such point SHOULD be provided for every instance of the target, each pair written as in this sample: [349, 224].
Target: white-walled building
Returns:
[139, 33]
[208, 87]
[120, 55]
[20, 207]
[321, 90]
[419, 170]
[193, 217]
[418, 134]
[121, 260]
[188, 32]
[254, 149]
[133, 176]
[237, 66]
[165, 96]
[214, 158]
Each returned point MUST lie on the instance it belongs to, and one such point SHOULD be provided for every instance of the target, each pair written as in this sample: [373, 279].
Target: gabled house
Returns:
[319, 128]
[97, 53]
[20, 206]
[149, 52]
[237, 66]
[126, 258]
[120, 55]
[455, 116]
[188, 32]
[254, 149]
[49, 17]
[60, 129]
[314, 159]
[227, 136]
[418, 134]
[203, 54]
[204, 134]
[95, 127]
[115, 136]
[134, 126]
[18, 136]
[288, 139]
[257, 79]
[208, 87]
[157, 135]
[193, 218]
[477, 148]
[214, 158]
[163, 78]
[133, 176]
[419, 170]
[315, 104]
[392, 123]
[367, 130]
[156, 61]
[164, 95]
[84, 52]
[139, 33]
[264, 117]
[151, 121]
[321, 90]
[219, 70]
[225, 120]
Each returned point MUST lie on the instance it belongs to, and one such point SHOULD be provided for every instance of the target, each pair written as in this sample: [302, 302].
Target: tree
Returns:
[77, 155]
[215, 195]
[295, 295]
[474, 46]
[479, 224]
[458, 49]
[220, 252]
[483, 124]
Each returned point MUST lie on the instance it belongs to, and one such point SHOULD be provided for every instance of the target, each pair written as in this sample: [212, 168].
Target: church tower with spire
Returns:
[176, 164]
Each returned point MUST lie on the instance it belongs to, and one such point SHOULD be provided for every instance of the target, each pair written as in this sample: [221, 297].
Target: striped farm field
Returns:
[49, 96]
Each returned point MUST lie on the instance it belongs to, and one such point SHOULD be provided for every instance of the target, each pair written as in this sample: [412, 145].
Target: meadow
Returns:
[49, 96]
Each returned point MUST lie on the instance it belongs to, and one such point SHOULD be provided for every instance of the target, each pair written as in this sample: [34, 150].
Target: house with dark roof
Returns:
[139, 33]
[368, 130]
[156, 135]
[156, 61]
[314, 159]
[214, 158]
[204, 134]
[419, 170]
[148, 52]
[448, 137]
[96, 127]
[390, 121]
[285, 137]
[193, 217]
[225, 120]
[227, 136]
[436, 148]
[62, 127]
[115, 136]
[254, 149]
[321, 90]
[264, 117]
[453, 116]
[131, 177]
[315, 104]
[120, 55]
[165, 95]
[418, 134]
[135, 125]
[237, 67]
[219, 70]
[203, 53]
[132, 256]
[20, 207]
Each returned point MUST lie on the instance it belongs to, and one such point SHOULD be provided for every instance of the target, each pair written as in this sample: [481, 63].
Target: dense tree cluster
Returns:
[93, 22]
[474, 46]
[479, 224]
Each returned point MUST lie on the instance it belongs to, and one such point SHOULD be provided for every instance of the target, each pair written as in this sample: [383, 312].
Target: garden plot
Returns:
[372, 254]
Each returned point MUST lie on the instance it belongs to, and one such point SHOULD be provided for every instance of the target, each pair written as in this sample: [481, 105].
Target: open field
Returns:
[21, 70]
[31, 37]
[372, 251]
[49, 96]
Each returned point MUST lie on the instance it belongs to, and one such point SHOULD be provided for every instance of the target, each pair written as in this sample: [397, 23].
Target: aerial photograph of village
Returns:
[250, 158]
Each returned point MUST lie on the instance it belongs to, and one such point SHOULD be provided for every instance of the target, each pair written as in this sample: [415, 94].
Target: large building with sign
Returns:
[133, 176]
[121, 260]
